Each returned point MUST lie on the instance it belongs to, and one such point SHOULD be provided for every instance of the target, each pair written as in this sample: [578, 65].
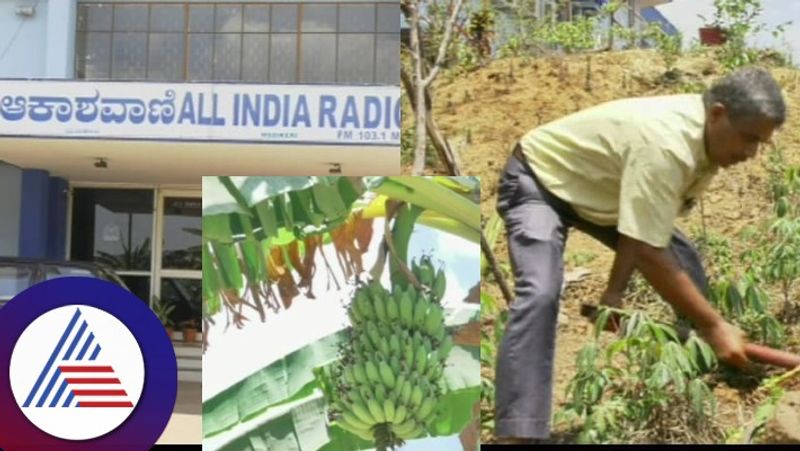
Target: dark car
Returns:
[17, 274]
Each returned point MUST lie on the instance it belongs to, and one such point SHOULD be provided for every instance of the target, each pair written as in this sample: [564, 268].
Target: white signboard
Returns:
[201, 112]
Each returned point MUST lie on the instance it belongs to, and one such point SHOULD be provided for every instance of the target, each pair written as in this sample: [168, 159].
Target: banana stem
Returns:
[405, 216]
[430, 218]
[430, 195]
[377, 269]
[383, 437]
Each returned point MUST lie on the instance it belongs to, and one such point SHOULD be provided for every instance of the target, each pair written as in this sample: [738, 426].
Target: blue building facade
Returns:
[37, 41]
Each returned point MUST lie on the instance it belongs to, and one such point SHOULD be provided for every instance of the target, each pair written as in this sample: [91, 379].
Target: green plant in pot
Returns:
[726, 14]
[163, 310]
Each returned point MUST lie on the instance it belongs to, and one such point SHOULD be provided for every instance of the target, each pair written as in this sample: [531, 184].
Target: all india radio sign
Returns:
[201, 112]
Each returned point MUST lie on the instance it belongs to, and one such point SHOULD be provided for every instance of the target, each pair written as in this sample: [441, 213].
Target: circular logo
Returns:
[81, 359]
[89, 366]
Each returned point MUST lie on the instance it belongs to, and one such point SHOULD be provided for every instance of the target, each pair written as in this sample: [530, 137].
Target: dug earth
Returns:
[784, 427]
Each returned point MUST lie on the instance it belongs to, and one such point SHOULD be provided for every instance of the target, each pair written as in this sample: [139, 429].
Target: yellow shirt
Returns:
[634, 163]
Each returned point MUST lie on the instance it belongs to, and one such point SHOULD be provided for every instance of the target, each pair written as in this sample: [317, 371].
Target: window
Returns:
[186, 296]
[115, 227]
[182, 232]
[353, 66]
[13, 280]
[253, 42]
[55, 272]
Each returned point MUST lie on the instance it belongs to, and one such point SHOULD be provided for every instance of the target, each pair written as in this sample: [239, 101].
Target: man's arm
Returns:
[660, 269]
[624, 263]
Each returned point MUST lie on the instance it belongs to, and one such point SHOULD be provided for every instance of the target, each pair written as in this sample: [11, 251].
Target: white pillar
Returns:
[60, 39]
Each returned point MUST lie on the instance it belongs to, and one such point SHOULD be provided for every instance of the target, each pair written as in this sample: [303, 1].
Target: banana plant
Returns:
[258, 231]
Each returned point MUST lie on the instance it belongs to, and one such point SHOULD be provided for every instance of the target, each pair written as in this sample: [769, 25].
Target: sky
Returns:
[683, 14]
[309, 320]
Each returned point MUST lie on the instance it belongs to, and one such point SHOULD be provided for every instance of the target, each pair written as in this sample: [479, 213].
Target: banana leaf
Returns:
[300, 426]
[218, 200]
[257, 188]
[465, 184]
[304, 425]
[280, 382]
[276, 205]
[426, 193]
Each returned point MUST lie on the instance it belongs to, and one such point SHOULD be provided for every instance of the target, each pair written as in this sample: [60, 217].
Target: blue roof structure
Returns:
[653, 15]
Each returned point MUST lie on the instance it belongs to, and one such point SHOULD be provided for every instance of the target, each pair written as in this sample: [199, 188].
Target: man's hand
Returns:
[727, 341]
[661, 270]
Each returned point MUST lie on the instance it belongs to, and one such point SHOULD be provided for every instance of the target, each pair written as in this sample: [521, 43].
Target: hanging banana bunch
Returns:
[389, 378]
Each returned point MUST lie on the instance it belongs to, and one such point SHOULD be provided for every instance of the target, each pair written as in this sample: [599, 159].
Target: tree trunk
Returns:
[419, 91]
[422, 80]
[447, 155]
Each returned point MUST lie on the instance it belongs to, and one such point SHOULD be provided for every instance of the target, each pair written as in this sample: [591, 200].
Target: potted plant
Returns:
[189, 331]
[715, 32]
[733, 19]
[712, 36]
[163, 310]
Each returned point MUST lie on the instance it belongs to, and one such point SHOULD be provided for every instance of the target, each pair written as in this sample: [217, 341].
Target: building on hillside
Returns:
[511, 15]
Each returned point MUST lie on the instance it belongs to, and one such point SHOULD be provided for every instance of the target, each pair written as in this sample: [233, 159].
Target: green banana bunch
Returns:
[430, 278]
[389, 389]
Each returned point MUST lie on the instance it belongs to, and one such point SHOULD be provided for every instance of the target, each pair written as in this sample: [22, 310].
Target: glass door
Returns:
[114, 227]
[178, 274]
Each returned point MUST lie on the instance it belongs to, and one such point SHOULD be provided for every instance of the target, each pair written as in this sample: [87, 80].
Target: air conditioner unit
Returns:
[25, 10]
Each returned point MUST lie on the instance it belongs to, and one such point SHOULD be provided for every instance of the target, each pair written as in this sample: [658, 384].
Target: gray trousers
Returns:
[537, 224]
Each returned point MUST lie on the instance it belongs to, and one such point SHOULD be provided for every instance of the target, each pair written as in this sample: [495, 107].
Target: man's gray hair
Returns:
[749, 93]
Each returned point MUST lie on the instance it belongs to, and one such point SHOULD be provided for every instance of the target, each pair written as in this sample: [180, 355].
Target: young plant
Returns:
[717, 253]
[773, 391]
[645, 379]
[490, 342]
[738, 19]
[783, 262]
[580, 258]
[668, 46]
[574, 36]
[747, 304]
[480, 30]
[630, 36]
[776, 168]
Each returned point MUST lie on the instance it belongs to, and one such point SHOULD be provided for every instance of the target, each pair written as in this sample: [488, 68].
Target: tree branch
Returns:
[501, 282]
[448, 33]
